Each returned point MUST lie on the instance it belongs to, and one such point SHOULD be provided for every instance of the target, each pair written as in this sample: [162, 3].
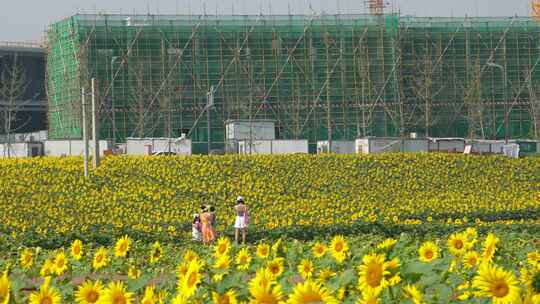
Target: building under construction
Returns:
[317, 77]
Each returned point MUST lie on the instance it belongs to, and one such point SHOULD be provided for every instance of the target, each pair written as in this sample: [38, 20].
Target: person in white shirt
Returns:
[241, 221]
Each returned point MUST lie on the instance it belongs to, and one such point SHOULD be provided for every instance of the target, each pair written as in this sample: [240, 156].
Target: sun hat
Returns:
[239, 199]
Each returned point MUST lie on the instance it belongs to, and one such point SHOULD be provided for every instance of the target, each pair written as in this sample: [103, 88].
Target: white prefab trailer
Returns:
[141, 146]
[238, 130]
[487, 146]
[338, 146]
[456, 145]
[273, 146]
[73, 147]
[370, 145]
[21, 149]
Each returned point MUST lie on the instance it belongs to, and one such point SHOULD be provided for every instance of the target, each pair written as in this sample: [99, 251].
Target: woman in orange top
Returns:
[208, 234]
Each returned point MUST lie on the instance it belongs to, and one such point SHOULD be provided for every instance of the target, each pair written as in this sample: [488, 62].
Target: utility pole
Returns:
[95, 126]
[209, 104]
[84, 133]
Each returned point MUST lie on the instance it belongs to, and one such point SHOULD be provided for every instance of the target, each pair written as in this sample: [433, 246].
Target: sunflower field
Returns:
[463, 267]
[48, 202]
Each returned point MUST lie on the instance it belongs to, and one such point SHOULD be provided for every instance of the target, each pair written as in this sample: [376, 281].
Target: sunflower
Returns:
[229, 297]
[531, 279]
[471, 235]
[187, 284]
[276, 267]
[264, 289]
[46, 294]
[263, 250]
[156, 253]
[387, 244]
[470, 259]
[428, 252]
[339, 248]
[89, 292]
[533, 258]
[372, 272]
[149, 296]
[189, 256]
[222, 263]
[100, 258]
[319, 249]
[311, 292]
[324, 274]
[5, 286]
[134, 272]
[162, 295]
[222, 247]
[116, 293]
[243, 259]
[27, 258]
[412, 292]
[394, 280]
[277, 248]
[341, 293]
[218, 277]
[182, 269]
[457, 244]
[60, 263]
[122, 246]
[47, 268]
[496, 283]
[393, 263]
[370, 296]
[305, 268]
[77, 249]
[180, 299]
[490, 246]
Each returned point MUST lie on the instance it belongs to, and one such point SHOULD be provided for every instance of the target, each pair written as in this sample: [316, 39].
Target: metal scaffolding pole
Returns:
[84, 132]
[95, 127]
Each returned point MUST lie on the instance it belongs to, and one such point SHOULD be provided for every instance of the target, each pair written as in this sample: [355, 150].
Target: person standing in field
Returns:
[213, 217]
[196, 228]
[241, 222]
[208, 234]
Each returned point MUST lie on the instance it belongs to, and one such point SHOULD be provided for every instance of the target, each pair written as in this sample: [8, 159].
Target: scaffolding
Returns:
[319, 77]
[471, 77]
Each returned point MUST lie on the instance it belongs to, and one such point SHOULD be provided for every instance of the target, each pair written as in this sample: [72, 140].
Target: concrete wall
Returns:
[273, 147]
[456, 145]
[415, 145]
[378, 145]
[259, 130]
[137, 146]
[21, 150]
[72, 147]
[381, 145]
[338, 146]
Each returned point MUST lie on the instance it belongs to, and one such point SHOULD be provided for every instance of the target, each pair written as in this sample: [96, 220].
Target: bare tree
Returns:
[141, 94]
[475, 105]
[13, 85]
[534, 108]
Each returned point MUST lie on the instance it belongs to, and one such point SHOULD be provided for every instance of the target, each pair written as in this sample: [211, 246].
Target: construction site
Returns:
[317, 77]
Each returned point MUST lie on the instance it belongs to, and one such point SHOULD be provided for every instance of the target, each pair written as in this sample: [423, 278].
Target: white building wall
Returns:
[137, 146]
[72, 147]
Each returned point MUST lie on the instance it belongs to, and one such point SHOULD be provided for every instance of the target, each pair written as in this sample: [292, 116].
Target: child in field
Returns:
[196, 228]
